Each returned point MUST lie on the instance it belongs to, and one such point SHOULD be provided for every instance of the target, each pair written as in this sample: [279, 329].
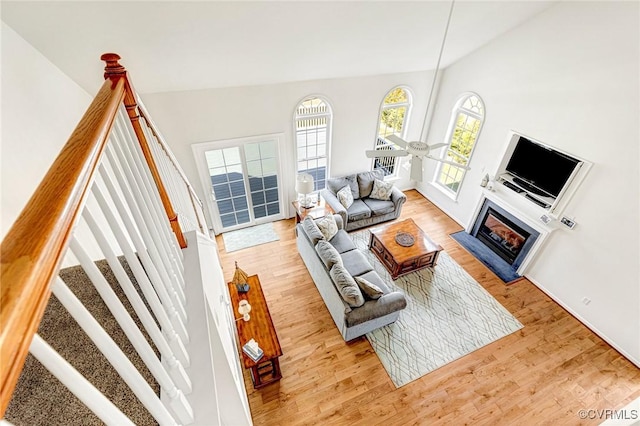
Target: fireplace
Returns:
[503, 233]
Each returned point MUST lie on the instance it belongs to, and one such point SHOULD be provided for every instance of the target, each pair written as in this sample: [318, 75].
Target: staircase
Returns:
[139, 330]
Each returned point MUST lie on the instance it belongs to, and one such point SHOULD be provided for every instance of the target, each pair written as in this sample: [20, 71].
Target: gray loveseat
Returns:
[351, 321]
[364, 211]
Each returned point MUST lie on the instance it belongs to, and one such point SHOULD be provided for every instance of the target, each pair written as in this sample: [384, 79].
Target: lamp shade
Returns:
[304, 184]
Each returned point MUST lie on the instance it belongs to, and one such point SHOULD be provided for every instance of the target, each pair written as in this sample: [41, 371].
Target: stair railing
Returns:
[113, 175]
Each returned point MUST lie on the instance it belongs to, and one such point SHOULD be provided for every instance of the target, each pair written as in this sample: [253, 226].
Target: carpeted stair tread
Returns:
[40, 399]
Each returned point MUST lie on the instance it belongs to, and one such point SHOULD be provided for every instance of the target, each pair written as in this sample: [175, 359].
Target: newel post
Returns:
[114, 71]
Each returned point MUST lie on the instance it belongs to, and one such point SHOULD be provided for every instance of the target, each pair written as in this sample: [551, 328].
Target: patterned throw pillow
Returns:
[327, 226]
[381, 190]
[369, 289]
[345, 197]
[328, 254]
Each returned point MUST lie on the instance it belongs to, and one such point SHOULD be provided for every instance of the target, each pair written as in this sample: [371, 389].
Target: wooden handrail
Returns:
[114, 70]
[34, 247]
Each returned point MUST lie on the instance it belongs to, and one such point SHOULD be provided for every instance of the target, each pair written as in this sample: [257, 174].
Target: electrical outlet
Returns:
[568, 222]
[586, 301]
[545, 219]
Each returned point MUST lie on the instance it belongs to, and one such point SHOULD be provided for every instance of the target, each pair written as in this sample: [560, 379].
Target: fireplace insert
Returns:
[501, 235]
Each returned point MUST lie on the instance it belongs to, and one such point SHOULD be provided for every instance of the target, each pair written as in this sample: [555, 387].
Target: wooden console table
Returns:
[400, 260]
[260, 328]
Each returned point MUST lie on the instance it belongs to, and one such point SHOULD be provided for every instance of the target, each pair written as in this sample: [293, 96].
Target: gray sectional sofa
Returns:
[364, 211]
[352, 321]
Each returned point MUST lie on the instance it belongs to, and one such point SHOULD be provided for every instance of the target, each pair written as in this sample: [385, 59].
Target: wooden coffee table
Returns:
[260, 328]
[400, 260]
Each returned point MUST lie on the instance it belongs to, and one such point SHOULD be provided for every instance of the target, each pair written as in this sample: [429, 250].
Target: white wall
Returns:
[569, 78]
[191, 117]
[40, 108]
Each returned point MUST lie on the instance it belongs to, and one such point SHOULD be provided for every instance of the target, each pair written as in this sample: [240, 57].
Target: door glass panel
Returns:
[263, 181]
[225, 169]
[233, 171]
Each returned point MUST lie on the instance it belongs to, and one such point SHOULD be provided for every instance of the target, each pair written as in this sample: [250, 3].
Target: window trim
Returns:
[405, 124]
[455, 112]
[329, 116]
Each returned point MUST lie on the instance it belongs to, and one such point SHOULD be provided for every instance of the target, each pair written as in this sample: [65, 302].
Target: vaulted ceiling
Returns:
[179, 45]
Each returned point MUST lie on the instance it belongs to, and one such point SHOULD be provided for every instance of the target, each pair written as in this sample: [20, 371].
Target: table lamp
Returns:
[304, 186]
[243, 309]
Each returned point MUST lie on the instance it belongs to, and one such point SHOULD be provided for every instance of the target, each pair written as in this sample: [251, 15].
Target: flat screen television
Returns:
[540, 169]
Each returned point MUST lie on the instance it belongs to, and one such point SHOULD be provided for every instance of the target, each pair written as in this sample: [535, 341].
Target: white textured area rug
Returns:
[448, 315]
[249, 237]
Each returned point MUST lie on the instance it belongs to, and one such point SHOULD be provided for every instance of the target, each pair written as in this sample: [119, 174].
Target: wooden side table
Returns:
[260, 328]
[321, 209]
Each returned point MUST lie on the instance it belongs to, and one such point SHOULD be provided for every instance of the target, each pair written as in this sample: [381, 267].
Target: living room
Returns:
[566, 77]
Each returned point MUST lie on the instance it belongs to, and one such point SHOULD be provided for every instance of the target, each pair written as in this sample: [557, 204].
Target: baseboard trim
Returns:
[435, 203]
[586, 323]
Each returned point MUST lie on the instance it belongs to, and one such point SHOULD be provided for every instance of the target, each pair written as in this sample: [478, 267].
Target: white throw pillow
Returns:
[345, 196]
[328, 226]
[381, 190]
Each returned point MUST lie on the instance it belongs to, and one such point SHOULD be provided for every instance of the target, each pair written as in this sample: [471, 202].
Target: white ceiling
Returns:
[170, 46]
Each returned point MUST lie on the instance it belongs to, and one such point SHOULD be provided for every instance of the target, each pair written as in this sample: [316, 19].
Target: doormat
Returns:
[249, 237]
[448, 315]
[495, 263]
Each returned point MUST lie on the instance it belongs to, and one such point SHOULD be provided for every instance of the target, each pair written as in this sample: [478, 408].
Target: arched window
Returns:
[313, 136]
[394, 114]
[464, 129]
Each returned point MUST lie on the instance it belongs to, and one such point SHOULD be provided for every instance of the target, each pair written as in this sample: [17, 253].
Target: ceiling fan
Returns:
[418, 149]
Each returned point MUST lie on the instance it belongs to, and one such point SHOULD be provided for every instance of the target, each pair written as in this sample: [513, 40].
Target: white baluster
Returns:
[149, 268]
[134, 298]
[132, 147]
[120, 362]
[127, 324]
[154, 216]
[76, 383]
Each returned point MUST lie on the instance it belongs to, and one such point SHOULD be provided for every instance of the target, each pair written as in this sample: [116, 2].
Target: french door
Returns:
[243, 179]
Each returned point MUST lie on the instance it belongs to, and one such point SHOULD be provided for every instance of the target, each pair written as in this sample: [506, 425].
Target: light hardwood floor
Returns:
[543, 374]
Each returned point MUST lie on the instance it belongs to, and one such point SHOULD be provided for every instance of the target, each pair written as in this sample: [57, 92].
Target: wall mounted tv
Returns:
[540, 169]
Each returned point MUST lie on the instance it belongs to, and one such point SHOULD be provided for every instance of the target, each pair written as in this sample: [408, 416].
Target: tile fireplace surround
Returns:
[512, 222]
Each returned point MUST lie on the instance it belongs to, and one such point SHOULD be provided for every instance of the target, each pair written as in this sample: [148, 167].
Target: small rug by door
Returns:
[448, 316]
[249, 237]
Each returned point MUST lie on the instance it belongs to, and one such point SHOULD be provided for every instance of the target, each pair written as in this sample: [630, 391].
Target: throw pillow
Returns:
[345, 196]
[369, 289]
[347, 286]
[328, 254]
[327, 226]
[381, 190]
[366, 179]
[336, 184]
[312, 230]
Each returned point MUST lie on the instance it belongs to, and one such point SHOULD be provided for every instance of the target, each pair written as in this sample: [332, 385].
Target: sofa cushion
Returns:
[342, 242]
[336, 184]
[345, 196]
[369, 290]
[346, 286]
[379, 207]
[374, 278]
[328, 254]
[327, 226]
[356, 263]
[372, 310]
[365, 181]
[358, 210]
[381, 190]
[312, 230]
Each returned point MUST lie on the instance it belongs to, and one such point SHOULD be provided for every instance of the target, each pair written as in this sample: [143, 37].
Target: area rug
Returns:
[495, 263]
[448, 316]
[249, 237]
